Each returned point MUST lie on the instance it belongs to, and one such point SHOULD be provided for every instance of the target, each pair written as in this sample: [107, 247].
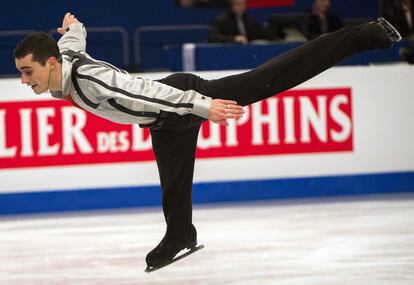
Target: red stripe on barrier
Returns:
[269, 3]
[46, 133]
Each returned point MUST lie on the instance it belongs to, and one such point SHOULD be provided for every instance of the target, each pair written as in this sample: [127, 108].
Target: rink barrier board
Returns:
[359, 163]
[205, 193]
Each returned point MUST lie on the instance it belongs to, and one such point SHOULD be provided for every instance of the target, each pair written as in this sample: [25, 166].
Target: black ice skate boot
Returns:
[381, 34]
[166, 250]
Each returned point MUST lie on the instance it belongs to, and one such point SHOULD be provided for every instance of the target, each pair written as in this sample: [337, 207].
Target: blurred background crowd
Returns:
[150, 35]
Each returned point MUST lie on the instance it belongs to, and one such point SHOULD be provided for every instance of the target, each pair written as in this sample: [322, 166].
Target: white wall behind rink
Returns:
[383, 117]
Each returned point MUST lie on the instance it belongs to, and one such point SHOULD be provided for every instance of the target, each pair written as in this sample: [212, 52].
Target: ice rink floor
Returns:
[358, 240]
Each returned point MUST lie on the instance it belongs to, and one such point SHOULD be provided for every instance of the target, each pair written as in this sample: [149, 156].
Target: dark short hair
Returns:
[40, 44]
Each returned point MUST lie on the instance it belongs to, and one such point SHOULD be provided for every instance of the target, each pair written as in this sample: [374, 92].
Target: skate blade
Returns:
[392, 32]
[191, 251]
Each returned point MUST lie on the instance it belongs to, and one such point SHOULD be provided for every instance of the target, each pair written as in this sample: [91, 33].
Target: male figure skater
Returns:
[173, 108]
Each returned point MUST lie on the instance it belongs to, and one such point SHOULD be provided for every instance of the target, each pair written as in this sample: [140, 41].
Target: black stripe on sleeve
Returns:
[82, 96]
[124, 109]
[135, 96]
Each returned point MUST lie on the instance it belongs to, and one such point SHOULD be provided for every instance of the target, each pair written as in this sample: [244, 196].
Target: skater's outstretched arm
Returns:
[73, 34]
[218, 111]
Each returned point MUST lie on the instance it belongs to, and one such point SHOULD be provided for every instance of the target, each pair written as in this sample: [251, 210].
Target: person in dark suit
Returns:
[399, 13]
[236, 26]
[322, 19]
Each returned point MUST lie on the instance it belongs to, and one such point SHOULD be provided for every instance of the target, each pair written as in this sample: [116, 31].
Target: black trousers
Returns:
[174, 137]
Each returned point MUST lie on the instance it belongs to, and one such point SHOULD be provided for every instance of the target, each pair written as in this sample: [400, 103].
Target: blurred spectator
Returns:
[322, 19]
[400, 14]
[185, 3]
[236, 26]
[201, 3]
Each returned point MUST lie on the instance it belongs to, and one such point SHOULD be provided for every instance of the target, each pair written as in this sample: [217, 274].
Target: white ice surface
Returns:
[352, 241]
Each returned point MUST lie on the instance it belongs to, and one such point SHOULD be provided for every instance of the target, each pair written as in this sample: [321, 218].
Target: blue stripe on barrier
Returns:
[212, 192]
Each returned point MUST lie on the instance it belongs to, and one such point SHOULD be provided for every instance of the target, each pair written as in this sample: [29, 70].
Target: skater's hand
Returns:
[221, 110]
[241, 39]
[68, 20]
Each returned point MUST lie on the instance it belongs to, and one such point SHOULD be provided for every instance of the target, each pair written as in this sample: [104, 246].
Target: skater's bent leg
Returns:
[294, 67]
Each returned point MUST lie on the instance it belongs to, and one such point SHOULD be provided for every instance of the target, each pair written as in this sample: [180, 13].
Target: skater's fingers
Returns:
[66, 19]
[236, 111]
[233, 116]
[234, 107]
[65, 23]
[72, 20]
[220, 122]
[230, 113]
[223, 122]
[230, 102]
[226, 103]
[221, 110]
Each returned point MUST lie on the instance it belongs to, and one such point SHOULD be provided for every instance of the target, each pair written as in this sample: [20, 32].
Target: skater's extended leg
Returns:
[298, 65]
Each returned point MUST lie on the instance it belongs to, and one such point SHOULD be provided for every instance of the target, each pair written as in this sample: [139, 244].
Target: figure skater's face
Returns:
[34, 74]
